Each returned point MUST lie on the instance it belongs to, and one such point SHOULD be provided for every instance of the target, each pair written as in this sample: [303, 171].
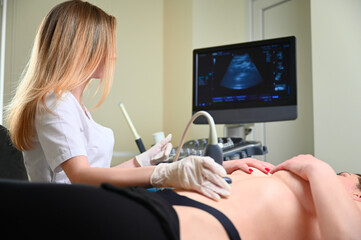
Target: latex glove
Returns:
[201, 174]
[156, 154]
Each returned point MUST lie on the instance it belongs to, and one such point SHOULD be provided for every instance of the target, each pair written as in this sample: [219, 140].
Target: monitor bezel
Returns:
[263, 112]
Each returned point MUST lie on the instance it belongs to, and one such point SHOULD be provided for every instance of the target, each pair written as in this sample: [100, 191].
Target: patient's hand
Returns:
[302, 165]
[245, 165]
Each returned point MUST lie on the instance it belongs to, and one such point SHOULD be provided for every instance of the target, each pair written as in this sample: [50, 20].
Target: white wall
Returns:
[336, 60]
[189, 25]
[3, 7]
[138, 80]
[23, 19]
[216, 23]
[177, 66]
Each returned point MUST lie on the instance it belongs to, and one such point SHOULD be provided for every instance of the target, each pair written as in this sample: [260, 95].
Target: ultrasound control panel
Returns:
[233, 148]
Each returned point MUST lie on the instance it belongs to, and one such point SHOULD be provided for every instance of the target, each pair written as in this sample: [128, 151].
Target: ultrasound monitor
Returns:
[246, 83]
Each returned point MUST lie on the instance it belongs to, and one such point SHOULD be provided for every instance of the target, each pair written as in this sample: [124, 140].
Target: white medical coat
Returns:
[63, 134]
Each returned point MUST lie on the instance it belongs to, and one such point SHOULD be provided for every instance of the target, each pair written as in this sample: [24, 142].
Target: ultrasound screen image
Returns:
[241, 73]
[237, 76]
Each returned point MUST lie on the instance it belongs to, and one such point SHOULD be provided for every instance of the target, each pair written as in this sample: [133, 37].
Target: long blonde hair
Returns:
[72, 40]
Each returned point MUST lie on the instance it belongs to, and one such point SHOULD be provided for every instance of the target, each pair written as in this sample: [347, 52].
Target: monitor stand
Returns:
[237, 130]
[235, 144]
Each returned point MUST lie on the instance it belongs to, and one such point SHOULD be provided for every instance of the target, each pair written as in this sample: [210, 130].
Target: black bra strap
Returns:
[176, 199]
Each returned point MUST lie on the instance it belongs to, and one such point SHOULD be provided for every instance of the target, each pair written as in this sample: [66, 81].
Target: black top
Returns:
[176, 199]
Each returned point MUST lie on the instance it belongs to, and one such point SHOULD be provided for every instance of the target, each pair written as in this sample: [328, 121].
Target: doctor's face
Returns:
[98, 74]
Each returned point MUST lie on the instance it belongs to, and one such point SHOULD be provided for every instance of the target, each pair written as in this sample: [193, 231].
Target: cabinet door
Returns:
[279, 18]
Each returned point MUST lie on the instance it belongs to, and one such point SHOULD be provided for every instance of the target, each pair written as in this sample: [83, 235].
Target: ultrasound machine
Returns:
[239, 85]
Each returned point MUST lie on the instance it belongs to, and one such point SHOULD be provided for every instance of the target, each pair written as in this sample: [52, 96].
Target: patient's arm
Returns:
[338, 214]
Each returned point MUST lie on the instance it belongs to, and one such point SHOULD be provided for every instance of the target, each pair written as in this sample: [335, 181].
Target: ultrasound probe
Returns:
[138, 140]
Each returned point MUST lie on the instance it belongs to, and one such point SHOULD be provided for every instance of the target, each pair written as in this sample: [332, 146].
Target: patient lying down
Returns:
[306, 201]
[301, 198]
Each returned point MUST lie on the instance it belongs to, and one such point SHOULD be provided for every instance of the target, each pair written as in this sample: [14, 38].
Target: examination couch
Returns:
[63, 211]
[11, 160]
[47, 210]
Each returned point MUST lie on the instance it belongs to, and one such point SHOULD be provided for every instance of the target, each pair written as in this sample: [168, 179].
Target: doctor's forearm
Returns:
[78, 170]
[121, 177]
[132, 163]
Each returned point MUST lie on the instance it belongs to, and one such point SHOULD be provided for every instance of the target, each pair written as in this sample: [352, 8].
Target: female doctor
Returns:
[61, 142]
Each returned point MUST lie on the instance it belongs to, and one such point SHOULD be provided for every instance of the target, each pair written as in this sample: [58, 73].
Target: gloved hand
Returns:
[156, 154]
[201, 174]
